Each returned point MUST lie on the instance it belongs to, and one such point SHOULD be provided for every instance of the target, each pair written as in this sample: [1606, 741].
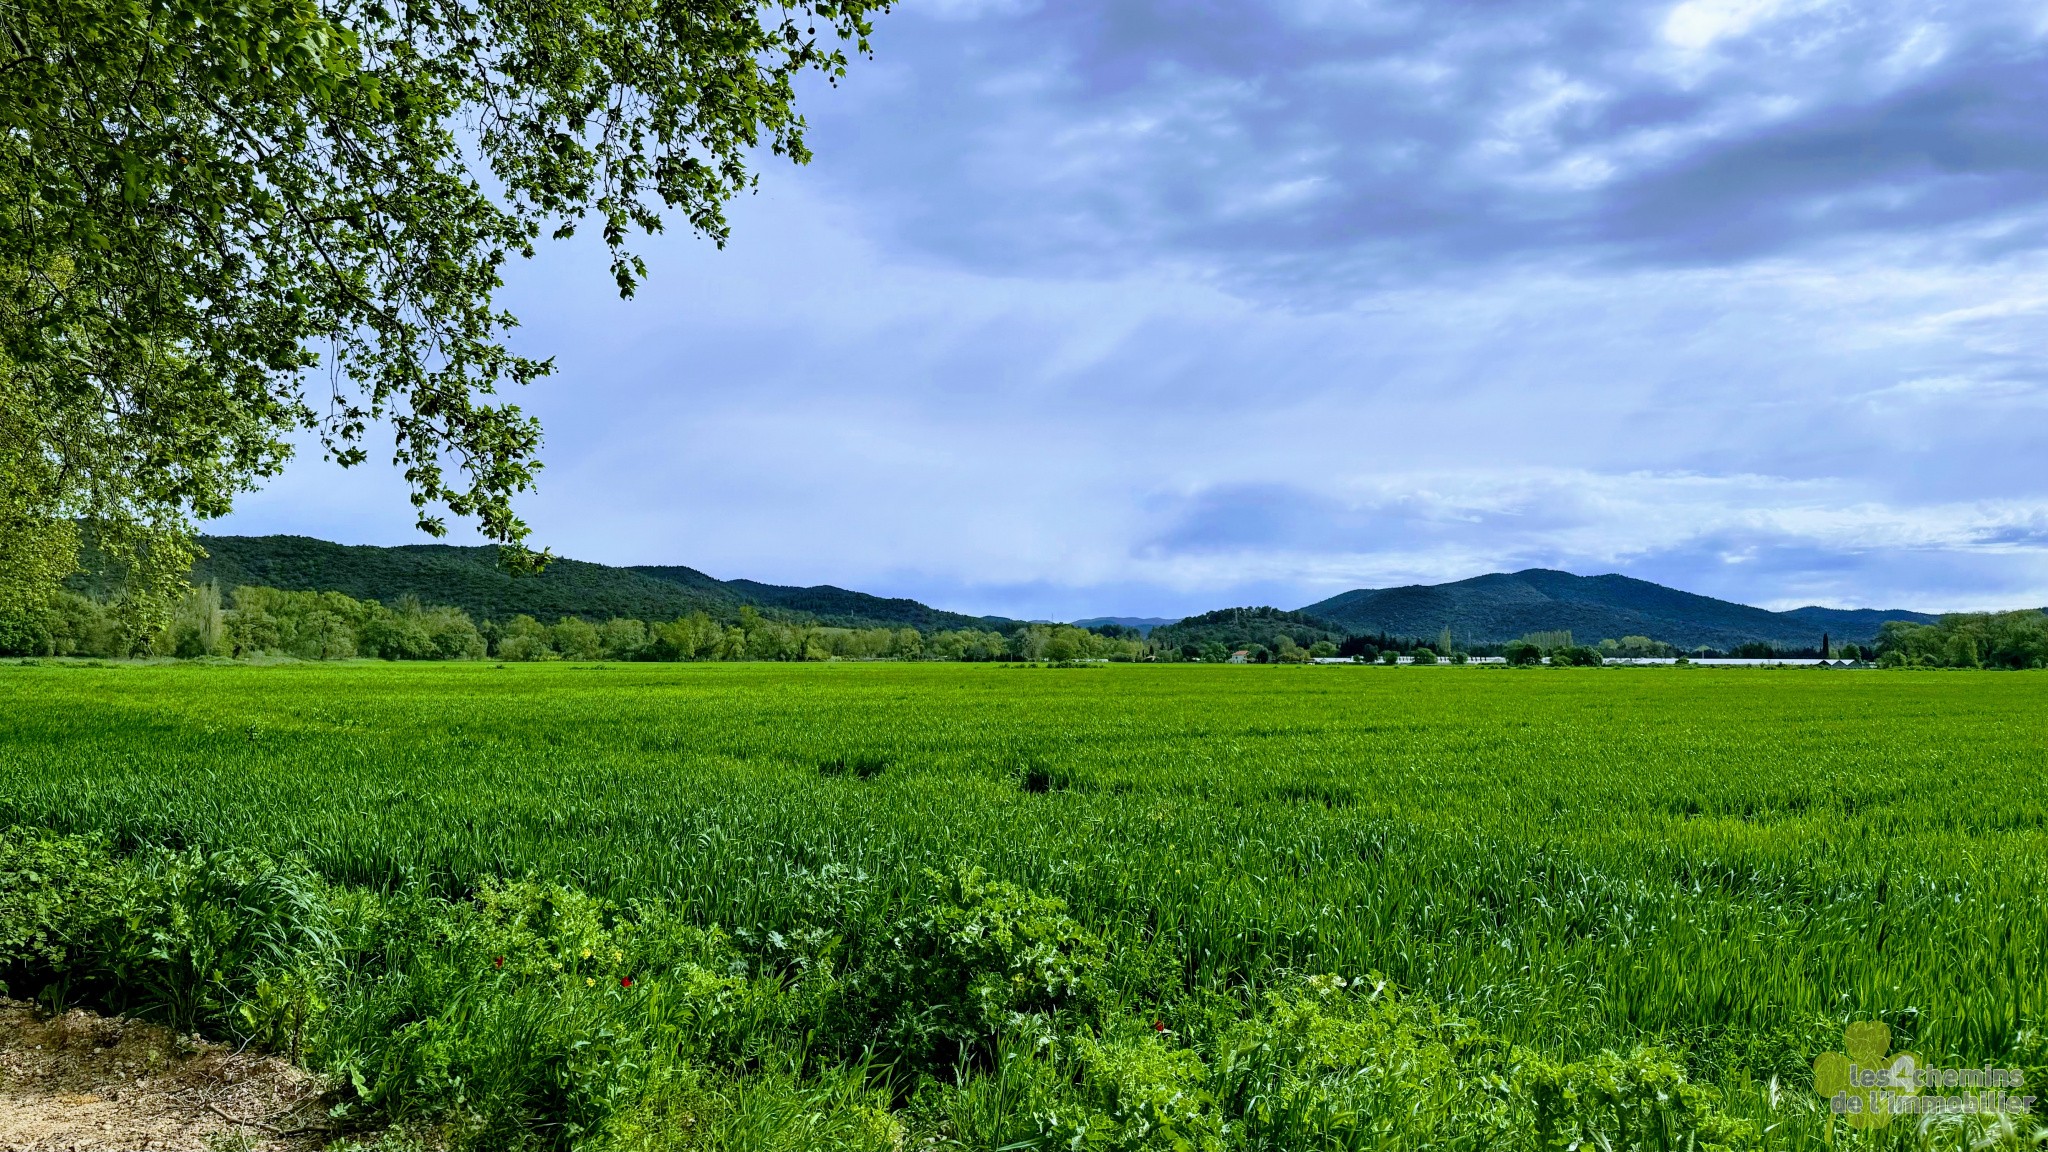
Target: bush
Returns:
[1638, 1101]
[52, 890]
[182, 937]
[1329, 1064]
[1424, 656]
[1137, 1093]
[956, 972]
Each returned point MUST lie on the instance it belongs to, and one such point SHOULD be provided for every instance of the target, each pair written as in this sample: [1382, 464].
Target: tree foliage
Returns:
[222, 223]
[1238, 628]
[1967, 640]
[260, 621]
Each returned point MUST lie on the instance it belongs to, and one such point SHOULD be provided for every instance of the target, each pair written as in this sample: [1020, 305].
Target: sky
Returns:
[1148, 307]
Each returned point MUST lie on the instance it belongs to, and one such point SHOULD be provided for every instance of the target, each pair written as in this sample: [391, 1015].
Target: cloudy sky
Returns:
[1144, 307]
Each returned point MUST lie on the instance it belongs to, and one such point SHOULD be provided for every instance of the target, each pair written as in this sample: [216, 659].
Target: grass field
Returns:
[1026, 907]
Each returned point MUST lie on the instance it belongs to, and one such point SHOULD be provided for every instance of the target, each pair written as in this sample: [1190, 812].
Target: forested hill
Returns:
[470, 578]
[1501, 606]
[827, 603]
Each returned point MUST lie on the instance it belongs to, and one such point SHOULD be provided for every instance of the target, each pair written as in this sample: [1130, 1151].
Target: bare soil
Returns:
[96, 1083]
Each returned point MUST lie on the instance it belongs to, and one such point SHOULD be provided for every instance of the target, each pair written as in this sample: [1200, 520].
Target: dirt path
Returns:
[86, 1082]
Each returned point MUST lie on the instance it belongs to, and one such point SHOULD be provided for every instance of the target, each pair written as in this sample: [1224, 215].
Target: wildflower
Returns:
[586, 953]
[499, 962]
[625, 981]
[590, 981]
[1159, 1025]
[617, 955]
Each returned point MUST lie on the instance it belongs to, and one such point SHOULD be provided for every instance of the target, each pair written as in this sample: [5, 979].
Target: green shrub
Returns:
[53, 890]
[1328, 1064]
[953, 973]
[1636, 1103]
[181, 937]
[1137, 1093]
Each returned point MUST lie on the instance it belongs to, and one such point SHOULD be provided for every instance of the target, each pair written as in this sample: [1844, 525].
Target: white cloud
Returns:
[1698, 24]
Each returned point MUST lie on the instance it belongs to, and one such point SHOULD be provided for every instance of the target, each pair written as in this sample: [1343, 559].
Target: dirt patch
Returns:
[93, 1083]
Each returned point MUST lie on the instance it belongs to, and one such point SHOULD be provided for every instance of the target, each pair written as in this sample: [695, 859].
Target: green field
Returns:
[984, 906]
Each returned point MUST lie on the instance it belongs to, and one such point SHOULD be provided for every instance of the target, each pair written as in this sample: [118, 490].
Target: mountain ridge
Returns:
[1144, 624]
[1492, 608]
[469, 577]
[1501, 606]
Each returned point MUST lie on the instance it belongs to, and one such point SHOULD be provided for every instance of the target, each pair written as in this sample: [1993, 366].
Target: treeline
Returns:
[1966, 640]
[258, 621]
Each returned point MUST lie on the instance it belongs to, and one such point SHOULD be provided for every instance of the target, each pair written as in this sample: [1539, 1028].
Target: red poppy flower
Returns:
[499, 962]
[1159, 1025]
[625, 981]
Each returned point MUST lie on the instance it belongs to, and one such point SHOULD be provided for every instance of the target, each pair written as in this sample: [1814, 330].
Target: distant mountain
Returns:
[834, 605]
[1144, 624]
[1853, 623]
[1484, 609]
[470, 578]
[1502, 606]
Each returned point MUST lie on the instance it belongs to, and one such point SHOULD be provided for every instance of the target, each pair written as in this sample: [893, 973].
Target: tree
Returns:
[576, 639]
[224, 222]
[623, 638]
[199, 626]
[524, 638]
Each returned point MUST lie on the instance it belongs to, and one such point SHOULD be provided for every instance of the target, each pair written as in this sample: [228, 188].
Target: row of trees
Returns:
[256, 621]
[753, 637]
[1966, 640]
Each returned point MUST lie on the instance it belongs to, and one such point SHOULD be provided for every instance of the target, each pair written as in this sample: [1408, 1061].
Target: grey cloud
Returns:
[1295, 151]
[1971, 144]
